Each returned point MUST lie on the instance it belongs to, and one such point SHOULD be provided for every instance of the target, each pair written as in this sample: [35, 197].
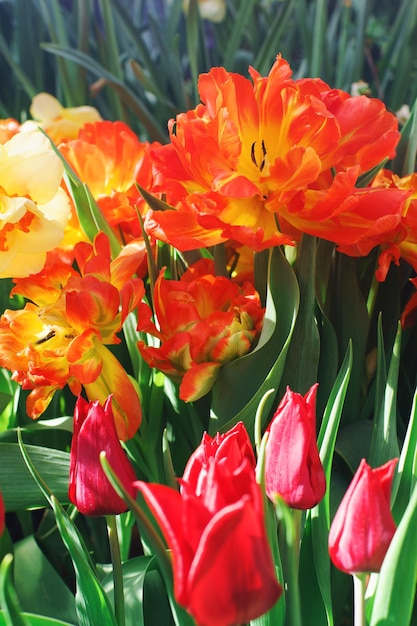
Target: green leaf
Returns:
[384, 444]
[126, 94]
[34, 620]
[406, 475]
[242, 383]
[8, 598]
[405, 159]
[92, 603]
[301, 364]
[395, 590]
[35, 578]
[140, 579]
[13, 471]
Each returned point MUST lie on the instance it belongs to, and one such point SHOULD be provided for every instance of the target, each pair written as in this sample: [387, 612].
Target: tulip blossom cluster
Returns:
[215, 527]
[204, 321]
[60, 336]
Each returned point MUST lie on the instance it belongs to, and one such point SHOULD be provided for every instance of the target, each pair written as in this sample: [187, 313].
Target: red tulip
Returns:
[363, 526]
[89, 488]
[234, 445]
[215, 527]
[292, 462]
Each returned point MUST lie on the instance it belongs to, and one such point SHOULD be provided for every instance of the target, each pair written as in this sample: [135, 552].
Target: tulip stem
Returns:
[359, 587]
[119, 601]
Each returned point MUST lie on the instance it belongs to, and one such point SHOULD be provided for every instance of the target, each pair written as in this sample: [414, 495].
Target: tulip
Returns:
[59, 122]
[215, 526]
[34, 208]
[234, 445]
[363, 526]
[89, 488]
[204, 322]
[292, 462]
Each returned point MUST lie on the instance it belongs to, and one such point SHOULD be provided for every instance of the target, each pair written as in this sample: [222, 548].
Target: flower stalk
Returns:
[119, 601]
[359, 588]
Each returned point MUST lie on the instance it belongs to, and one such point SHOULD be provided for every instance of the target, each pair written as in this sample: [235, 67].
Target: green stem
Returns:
[359, 586]
[119, 601]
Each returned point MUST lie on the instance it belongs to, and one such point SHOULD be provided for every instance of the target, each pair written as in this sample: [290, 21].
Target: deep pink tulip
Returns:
[215, 526]
[89, 488]
[363, 526]
[293, 469]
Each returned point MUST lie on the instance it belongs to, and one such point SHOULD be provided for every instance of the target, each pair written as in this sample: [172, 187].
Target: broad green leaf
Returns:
[351, 324]
[384, 445]
[396, 586]
[92, 604]
[406, 475]
[140, 580]
[38, 586]
[353, 443]
[53, 464]
[33, 620]
[301, 364]
[243, 383]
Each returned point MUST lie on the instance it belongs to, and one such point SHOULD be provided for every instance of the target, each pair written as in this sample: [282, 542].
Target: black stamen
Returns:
[252, 154]
[46, 338]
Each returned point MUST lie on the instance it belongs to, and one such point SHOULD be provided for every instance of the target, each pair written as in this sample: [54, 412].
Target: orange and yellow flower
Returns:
[110, 159]
[401, 242]
[34, 209]
[60, 336]
[262, 161]
[202, 322]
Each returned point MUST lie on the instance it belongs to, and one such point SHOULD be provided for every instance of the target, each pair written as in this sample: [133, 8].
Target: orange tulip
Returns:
[60, 337]
[202, 321]
[261, 162]
[110, 159]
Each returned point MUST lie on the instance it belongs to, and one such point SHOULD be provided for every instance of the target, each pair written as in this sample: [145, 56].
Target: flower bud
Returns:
[292, 462]
[89, 488]
[363, 526]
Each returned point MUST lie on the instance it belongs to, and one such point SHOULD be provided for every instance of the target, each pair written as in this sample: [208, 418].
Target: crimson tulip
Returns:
[215, 526]
[363, 526]
[235, 445]
[89, 488]
[293, 469]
